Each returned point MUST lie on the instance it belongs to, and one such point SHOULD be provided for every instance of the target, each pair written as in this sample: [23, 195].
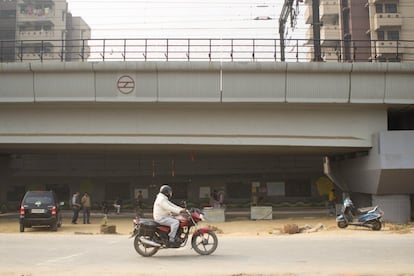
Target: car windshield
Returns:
[41, 199]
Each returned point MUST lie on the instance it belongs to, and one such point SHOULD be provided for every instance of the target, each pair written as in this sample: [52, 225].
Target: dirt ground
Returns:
[234, 227]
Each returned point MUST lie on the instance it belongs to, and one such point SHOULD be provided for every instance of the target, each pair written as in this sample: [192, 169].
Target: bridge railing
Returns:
[226, 50]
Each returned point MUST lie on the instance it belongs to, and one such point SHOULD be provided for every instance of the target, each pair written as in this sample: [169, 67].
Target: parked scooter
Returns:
[370, 217]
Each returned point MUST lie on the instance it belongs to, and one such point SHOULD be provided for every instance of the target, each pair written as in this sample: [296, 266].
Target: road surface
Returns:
[306, 254]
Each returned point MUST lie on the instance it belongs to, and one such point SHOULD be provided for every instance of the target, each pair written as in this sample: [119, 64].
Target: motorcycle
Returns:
[370, 217]
[150, 236]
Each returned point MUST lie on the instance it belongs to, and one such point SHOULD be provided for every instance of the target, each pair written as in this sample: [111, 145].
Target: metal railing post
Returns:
[103, 50]
[21, 50]
[297, 50]
[83, 50]
[188, 49]
[354, 51]
[166, 55]
[398, 42]
[146, 48]
[232, 49]
[41, 51]
[124, 53]
[62, 50]
[209, 53]
[254, 48]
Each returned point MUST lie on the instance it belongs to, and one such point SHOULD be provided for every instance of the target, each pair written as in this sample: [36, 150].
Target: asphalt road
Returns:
[368, 254]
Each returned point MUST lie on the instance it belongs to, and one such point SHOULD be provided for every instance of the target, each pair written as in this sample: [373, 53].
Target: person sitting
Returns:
[163, 210]
[105, 208]
[117, 205]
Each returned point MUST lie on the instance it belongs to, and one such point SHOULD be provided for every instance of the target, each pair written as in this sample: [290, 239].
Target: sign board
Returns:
[275, 188]
[125, 84]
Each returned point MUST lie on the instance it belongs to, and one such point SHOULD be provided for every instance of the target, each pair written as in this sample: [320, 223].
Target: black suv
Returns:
[40, 208]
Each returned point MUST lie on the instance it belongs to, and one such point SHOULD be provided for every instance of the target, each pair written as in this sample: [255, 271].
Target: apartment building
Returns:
[78, 33]
[365, 30]
[7, 30]
[40, 30]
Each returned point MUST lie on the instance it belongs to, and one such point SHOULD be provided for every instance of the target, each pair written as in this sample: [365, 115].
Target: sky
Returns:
[182, 18]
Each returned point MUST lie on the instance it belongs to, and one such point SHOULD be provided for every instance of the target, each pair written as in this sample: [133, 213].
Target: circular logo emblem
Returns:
[125, 85]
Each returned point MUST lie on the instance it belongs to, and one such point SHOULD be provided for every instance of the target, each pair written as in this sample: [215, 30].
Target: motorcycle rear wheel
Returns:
[143, 249]
[204, 243]
[376, 225]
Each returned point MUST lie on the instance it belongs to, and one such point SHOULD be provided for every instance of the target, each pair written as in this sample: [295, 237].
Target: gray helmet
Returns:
[166, 190]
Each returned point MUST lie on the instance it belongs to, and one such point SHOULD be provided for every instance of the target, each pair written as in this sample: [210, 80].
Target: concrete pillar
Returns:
[397, 208]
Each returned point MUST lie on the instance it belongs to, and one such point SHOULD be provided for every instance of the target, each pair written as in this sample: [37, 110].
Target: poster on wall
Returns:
[255, 187]
[275, 188]
[204, 192]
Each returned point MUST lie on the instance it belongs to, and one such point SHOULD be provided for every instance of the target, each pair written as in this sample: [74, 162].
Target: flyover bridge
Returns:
[207, 125]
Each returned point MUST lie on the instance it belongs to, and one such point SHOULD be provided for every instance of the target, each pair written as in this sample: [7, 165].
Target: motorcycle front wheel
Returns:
[204, 243]
[143, 249]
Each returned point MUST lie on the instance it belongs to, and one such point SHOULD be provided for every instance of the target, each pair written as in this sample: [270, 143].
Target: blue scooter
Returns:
[370, 217]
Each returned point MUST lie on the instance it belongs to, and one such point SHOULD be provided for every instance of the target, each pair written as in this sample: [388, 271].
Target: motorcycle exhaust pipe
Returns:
[149, 242]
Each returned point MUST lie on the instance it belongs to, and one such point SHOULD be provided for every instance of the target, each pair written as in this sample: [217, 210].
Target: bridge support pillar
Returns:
[397, 208]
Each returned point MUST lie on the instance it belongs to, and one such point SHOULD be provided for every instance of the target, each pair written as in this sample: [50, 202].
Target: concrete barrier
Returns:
[261, 212]
[214, 214]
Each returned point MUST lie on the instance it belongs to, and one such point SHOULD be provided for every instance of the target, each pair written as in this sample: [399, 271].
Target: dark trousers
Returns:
[75, 214]
[86, 214]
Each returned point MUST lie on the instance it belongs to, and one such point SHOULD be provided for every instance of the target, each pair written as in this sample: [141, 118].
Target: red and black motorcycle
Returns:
[151, 236]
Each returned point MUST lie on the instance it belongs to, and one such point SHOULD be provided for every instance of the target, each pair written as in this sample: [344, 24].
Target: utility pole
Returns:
[284, 14]
[316, 31]
[288, 11]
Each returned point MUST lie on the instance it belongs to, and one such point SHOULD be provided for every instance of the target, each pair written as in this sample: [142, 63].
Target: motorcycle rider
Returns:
[163, 210]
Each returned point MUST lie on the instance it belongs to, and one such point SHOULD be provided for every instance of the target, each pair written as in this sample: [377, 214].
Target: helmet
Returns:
[166, 190]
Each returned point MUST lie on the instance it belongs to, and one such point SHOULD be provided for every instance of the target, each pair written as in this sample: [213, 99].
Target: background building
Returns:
[373, 30]
[78, 33]
[41, 30]
[7, 29]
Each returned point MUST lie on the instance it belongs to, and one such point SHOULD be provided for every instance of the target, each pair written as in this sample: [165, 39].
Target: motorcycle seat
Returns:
[148, 223]
[365, 210]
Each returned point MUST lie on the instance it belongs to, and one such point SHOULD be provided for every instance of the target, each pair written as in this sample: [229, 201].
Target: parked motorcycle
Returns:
[370, 217]
[151, 236]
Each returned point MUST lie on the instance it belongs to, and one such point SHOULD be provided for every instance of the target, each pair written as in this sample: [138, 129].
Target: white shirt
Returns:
[163, 207]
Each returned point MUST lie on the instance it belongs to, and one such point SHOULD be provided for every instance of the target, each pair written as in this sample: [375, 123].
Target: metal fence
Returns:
[225, 50]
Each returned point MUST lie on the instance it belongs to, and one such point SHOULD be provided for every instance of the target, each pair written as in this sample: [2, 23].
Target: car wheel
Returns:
[54, 227]
[59, 224]
[21, 227]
